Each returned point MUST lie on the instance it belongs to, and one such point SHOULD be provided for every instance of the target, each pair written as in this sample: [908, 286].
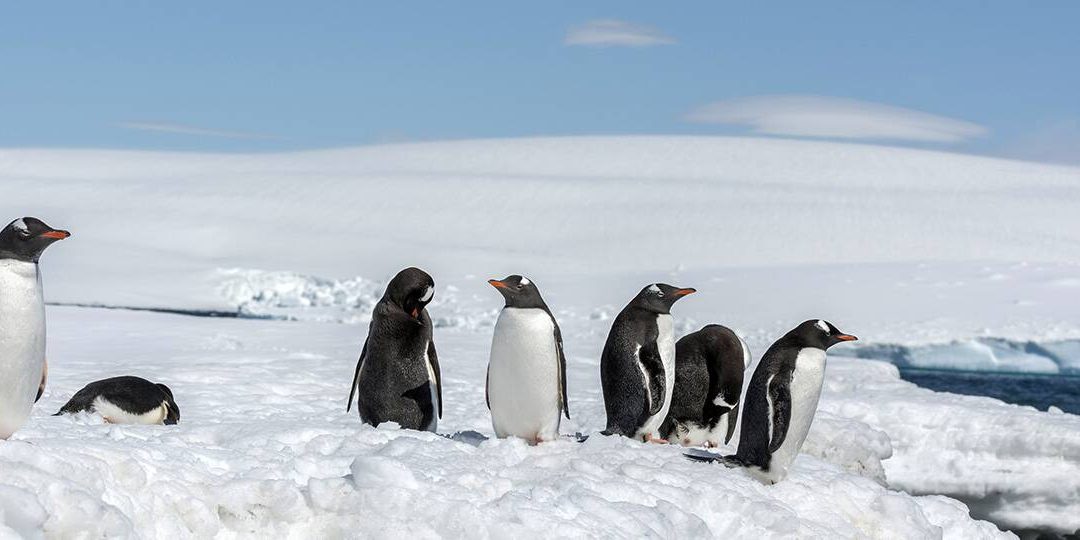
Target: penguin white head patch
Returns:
[824, 326]
[655, 290]
[525, 280]
[20, 226]
[428, 294]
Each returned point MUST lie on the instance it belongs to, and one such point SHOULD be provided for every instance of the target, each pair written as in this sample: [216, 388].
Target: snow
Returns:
[933, 259]
[266, 449]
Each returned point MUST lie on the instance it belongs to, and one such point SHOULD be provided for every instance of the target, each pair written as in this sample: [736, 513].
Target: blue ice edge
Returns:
[987, 355]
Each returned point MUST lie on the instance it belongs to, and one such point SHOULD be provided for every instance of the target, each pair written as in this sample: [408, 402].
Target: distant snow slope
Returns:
[596, 205]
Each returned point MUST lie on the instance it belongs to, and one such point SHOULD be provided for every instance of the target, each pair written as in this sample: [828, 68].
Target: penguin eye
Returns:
[24, 234]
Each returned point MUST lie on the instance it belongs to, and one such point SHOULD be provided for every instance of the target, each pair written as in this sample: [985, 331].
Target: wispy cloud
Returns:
[615, 33]
[831, 117]
[166, 127]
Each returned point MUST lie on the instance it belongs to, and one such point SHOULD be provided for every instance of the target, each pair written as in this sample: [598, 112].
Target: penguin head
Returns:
[25, 238]
[172, 415]
[820, 333]
[659, 297]
[519, 292]
[411, 290]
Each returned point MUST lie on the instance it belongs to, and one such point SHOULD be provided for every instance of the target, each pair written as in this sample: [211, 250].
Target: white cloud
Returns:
[165, 127]
[615, 33]
[841, 118]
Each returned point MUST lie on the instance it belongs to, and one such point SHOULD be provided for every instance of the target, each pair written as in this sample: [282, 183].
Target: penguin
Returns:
[22, 318]
[709, 366]
[397, 377]
[637, 367]
[781, 401]
[526, 376]
[125, 400]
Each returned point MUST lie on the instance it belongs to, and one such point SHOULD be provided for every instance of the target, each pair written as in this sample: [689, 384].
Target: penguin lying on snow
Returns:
[126, 400]
[637, 368]
[781, 401]
[22, 318]
[709, 366]
[397, 377]
[526, 377]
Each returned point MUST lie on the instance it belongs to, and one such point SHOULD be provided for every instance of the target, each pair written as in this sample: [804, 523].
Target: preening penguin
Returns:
[397, 377]
[709, 367]
[781, 400]
[22, 318]
[526, 378]
[637, 368]
[126, 400]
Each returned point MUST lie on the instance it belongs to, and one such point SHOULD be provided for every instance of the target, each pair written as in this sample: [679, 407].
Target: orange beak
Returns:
[684, 292]
[846, 337]
[59, 235]
[498, 284]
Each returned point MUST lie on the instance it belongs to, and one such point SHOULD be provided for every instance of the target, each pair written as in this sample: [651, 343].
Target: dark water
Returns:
[1038, 390]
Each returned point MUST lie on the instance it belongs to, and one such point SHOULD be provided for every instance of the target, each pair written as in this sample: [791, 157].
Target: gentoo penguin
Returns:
[781, 401]
[637, 368]
[526, 377]
[709, 366]
[397, 377]
[22, 318]
[126, 400]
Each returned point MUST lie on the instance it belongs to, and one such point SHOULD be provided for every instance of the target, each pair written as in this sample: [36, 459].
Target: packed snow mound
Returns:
[980, 354]
[1013, 465]
[265, 449]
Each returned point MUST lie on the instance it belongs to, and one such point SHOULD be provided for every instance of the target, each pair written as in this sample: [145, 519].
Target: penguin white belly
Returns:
[434, 389]
[698, 434]
[22, 342]
[523, 376]
[665, 342]
[805, 387]
[113, 414]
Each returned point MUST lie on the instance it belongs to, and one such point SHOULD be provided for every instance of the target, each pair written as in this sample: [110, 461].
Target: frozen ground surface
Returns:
[934, 259]
[264, 448]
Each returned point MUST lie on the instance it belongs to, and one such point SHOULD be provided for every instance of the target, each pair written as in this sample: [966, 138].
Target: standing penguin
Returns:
[709, 366]
[126, 400]
[526, 378]
[22, 318]
[397, 377]
[781, 401]
[637, 368]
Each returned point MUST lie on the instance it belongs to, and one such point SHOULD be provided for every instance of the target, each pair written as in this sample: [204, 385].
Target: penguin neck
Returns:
[17, 268]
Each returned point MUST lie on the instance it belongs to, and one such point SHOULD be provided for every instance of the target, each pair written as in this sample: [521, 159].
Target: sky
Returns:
[996, 78]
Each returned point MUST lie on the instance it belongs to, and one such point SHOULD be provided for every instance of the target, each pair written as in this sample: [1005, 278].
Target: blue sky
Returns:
[1000, 78]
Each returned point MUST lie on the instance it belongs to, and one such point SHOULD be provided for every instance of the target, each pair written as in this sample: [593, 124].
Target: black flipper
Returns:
[562, 369]
[356, 376]
[434, 359]
[780, 407]
[732, 419]
[649, 356]
[487, 386]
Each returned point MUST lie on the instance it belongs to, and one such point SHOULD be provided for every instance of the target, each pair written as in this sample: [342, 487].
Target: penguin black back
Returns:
[133, 395]
[709, 368]
[632, 373]
[397, 377]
